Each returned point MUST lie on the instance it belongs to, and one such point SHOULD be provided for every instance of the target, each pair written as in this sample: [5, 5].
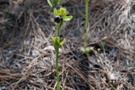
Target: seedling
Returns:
[102, 45]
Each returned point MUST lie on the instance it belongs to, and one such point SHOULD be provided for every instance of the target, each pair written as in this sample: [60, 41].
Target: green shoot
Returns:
[86, 49]
[61, 16]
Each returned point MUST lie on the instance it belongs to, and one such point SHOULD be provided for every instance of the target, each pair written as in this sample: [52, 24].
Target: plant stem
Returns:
[59, 27]
[57, 52]
[86, 22]
[57, 68]
[60, 1]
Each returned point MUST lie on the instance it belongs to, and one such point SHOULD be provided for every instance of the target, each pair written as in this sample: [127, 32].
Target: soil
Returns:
[27, 56]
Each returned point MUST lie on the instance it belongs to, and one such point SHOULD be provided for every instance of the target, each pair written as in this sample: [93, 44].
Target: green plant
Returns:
[52, 3]
[61, 16]
[86, 49]
[102, 45]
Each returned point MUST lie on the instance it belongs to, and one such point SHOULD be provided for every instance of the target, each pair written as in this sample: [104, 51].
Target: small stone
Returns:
[35, 53]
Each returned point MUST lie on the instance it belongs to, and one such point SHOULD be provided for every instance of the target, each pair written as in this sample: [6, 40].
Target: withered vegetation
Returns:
[27, 58]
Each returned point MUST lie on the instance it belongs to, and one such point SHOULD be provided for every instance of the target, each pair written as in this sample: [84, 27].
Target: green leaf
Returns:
[53, 39]
[102, 44]
[85, 49]
[67, 18]
[62, 42]
[55, 2]
[57, 41]
[55, 12]
[50, 4]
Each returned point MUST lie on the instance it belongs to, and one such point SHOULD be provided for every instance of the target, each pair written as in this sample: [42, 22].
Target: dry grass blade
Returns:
[27, 57]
